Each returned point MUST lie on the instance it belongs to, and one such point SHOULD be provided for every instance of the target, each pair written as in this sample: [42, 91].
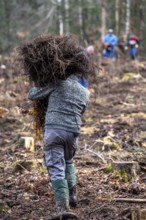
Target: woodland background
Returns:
[90, 19]
[113, 132]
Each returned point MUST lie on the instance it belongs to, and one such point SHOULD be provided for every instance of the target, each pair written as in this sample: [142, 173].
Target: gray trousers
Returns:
[59, 150]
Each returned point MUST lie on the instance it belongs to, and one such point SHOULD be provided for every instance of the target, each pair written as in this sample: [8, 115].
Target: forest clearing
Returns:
[113, 134]
[73, 110]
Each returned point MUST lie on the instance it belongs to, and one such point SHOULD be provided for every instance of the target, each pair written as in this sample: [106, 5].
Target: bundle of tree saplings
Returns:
[48, 58]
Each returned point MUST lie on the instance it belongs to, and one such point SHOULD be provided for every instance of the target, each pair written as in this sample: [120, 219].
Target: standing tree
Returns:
[127, 22]
[117, 17]
[103, 18]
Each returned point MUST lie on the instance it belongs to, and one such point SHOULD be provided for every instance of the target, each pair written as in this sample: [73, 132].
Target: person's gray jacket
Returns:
[67, 101]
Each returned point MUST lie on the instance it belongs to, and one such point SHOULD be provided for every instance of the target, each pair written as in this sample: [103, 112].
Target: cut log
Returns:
[142, 214]
[138, 214]
[28, 143]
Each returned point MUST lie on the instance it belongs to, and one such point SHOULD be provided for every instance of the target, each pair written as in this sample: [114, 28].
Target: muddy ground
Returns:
[113, 130]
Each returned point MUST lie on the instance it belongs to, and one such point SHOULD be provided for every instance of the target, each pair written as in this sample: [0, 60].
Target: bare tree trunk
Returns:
[103, 18]
[116, 17]
[61, 25]
[67, 16]
[127, 24]
[80, 19]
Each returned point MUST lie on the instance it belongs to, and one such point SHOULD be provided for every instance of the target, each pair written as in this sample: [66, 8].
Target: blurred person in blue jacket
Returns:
[109, 43]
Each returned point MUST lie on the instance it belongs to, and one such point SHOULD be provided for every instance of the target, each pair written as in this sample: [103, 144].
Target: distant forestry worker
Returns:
[109, 43]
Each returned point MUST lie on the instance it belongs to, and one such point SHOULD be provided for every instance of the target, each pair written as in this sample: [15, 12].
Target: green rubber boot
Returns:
[61, 193]
[71, 179]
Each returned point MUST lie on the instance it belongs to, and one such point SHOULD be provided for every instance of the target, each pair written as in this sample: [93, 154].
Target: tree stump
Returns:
[125, 169]
[138, 214]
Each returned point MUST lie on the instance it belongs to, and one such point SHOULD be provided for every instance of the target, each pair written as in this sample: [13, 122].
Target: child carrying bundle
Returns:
[54, 64]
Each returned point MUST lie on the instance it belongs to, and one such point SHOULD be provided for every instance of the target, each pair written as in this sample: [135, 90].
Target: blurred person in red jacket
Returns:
[133, 44]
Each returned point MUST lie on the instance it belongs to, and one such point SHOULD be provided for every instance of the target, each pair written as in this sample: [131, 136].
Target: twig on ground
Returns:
[99, 156]
[97, 209]
[91, 145]
[129, 200]
[103, 207]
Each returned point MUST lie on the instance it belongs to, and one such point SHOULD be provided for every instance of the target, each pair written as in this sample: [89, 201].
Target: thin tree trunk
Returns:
[67, 16]
[103, 18]
[61, 26]
[80, 19]
[116, 17]
[127, 24]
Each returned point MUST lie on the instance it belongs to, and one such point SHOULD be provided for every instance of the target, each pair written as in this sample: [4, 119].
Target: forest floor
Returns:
[113, 131]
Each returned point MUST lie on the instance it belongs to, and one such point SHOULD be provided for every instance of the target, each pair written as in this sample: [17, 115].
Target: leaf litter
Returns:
[114, 128]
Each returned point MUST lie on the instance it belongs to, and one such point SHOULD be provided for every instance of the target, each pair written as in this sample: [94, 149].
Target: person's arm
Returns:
[85, 106]
[38, 93]
[137, 41]
[105, 39]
